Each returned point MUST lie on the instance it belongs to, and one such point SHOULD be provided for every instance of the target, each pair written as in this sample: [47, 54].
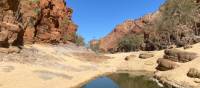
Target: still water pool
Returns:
[122, 80]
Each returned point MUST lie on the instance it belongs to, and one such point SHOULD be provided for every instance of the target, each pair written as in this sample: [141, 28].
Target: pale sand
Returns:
[70, 72]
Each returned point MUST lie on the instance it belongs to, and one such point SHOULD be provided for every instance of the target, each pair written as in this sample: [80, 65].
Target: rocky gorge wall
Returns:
[172, 25]
[35, 21]
[128, 27]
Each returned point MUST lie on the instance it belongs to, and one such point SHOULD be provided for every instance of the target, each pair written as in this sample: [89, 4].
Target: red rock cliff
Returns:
[35, 21]
[109, 42]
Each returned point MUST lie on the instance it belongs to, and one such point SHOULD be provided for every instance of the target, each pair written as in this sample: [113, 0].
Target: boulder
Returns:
[11, 49]
[179, 56]
[130, 57]
[3, 36]
[14, 49]
[146, 55]
[164, 65]
[187, 46]
[4, 50]
[193, 73]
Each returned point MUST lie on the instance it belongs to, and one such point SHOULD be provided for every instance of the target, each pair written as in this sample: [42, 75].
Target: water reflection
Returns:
[122, 80]
[101, 82]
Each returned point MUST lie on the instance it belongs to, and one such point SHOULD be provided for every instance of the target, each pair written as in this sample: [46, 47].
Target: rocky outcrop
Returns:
[194, 73]
[35, 21]
[172, 57]
[110, 42]
[179, 56]
[164, 28]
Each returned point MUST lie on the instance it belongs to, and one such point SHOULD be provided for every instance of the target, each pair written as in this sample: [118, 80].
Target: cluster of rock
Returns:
[35, 21]
[172, 57]
[141, 56]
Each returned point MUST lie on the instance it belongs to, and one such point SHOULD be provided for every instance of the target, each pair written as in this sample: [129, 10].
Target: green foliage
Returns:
[130, 43]
[70, 10]
[79, 41]
[175, 13]
[35, 1]
[177, 19]
[37, 11]
[95, 48]
[66, 38]
[64, 22]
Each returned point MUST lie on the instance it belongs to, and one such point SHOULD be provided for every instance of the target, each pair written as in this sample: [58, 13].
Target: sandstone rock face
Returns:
[109, 42]
[9, 29]
[35, 21]
[158, 33]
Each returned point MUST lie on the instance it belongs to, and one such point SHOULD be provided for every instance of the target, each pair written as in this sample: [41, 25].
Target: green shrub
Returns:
[37, 11]
[130, 43]
[178, 12]
[177, 19]
[79, 41]
[64, 22]
[66, 37]
[95, 48]
[35, 1]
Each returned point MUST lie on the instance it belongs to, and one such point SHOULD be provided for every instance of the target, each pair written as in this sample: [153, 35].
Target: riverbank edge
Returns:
[136, 73]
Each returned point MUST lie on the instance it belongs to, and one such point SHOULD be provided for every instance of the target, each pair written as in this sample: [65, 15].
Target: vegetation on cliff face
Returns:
[130, 43]
[79, 41]
[177, 22]
[94, 46]
[177, 25]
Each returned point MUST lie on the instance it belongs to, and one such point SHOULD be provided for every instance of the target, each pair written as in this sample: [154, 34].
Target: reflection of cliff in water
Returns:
[129, 81]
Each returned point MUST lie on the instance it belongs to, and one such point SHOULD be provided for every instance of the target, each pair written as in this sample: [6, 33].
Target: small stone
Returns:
[129, 57]
[4, 50]
[187, 47]
[196, 80]
[14, 50]
[146, 55]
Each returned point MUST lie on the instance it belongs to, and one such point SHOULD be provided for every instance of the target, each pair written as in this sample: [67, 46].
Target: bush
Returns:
[95, 47]
[176, 22]
[130, 43]
[79, 41]
[178, 12]
[35, 1]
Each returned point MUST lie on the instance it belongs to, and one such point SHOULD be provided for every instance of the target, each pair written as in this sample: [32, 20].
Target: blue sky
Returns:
[97, 18]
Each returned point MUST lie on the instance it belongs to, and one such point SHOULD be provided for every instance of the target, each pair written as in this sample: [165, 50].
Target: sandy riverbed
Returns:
[66, 70]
